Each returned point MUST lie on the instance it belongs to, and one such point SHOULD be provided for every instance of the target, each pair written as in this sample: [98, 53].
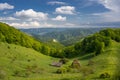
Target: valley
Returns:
[94, 57]
[59, 39]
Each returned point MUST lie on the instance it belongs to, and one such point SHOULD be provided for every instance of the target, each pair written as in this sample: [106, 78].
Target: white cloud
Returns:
[59, 18]
[8, 19]
[48, 25]
[113, 5]
[65, 10]
[56, 3]
[113, 14]
[30, 14]
[70, 24]
[33, 24]
[4, 6]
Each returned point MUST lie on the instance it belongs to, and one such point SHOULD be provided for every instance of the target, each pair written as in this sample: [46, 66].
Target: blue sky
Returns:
[58, 13]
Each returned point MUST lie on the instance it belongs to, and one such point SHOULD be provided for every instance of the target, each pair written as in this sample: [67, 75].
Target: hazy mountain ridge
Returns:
[62, 35]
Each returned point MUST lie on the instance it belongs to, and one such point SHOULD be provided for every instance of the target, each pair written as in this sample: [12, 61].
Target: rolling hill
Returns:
[94, 57]
[11, 35]
[26, 64]
[17, 62]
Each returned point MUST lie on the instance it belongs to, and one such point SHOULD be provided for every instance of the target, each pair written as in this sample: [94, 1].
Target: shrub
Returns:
[8, 47]
[63, 60]
[28, 60]
[105, 75]
[64, 69]
[61, 70]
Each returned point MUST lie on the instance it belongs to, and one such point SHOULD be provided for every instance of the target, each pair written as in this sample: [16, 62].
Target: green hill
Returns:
[21, 58]
[11, 35]
[22, 63]
[17, 61]
[95, 43]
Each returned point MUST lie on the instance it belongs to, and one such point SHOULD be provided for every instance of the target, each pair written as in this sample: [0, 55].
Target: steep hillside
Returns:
[13, 36]
[17, 61]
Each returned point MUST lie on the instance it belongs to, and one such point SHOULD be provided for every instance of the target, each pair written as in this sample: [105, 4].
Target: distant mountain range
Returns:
[66, 36]
[107, 24]
[42, 31]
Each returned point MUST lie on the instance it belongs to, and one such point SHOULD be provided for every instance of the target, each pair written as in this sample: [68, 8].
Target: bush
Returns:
[8, 47]
[105, 75]
[64, 69]
[61, 70]
[63, 60]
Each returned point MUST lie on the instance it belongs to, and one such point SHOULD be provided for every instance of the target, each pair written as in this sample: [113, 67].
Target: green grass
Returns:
[15, 59]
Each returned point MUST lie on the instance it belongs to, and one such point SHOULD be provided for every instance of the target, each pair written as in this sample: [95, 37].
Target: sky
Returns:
[58, 13]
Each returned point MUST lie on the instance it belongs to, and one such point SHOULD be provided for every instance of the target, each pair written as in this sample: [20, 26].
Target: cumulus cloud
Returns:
[48, 25]
[4, 6]
[59, 18]
[65, 10]
[8, 19]
[56, 3]
[33, 24]
[30, 14]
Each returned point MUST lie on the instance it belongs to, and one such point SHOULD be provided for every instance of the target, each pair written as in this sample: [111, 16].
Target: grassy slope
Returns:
[16, 58]
[105, 62]
[108, 61]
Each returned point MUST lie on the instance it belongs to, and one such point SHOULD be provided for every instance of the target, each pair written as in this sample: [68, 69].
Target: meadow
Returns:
[20, 63]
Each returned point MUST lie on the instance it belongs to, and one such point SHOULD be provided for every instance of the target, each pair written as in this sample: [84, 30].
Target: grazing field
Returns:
[20, 63]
